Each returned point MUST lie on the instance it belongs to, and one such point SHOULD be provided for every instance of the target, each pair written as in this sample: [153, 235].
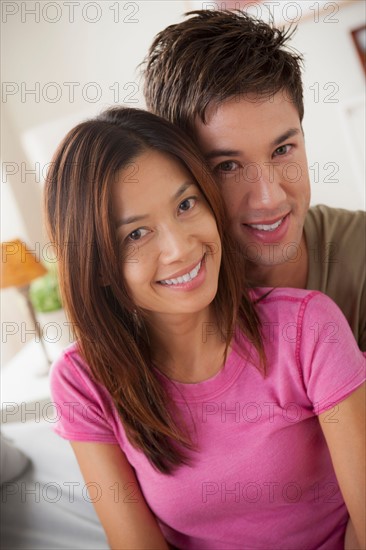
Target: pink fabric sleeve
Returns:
[330, 362]
[84, 408]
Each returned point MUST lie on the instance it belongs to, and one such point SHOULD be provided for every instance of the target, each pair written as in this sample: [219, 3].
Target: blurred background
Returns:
[65, 61]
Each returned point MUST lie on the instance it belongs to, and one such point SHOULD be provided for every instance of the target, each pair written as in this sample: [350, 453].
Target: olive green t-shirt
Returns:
[336, 241]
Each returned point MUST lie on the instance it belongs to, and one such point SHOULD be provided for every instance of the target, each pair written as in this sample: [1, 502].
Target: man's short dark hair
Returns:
[214, 56]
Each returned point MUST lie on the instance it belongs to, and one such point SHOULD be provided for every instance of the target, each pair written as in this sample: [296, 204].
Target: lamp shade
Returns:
[19, 266]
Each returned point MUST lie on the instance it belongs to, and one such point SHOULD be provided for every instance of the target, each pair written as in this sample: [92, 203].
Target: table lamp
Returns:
[19, 267]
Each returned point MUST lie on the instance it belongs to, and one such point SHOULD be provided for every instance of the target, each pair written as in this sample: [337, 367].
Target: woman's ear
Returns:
[103, 279]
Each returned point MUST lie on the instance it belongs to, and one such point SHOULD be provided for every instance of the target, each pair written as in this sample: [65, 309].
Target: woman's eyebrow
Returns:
[133, 219]
[181, 190]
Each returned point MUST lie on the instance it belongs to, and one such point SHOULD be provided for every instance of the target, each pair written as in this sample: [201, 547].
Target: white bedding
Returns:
[47, 507]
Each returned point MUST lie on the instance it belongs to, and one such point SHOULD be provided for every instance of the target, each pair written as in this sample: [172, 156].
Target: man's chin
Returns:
[269, 255]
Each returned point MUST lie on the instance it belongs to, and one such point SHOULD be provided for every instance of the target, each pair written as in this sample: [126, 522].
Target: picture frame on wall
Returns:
[359, 40]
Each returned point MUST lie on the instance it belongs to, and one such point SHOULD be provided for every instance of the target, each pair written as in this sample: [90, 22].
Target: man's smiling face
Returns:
[256, 150]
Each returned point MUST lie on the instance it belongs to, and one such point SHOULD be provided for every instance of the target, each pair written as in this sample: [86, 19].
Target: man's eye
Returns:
[137, 234]
[282, 150]
[227, 166]
[187, 204]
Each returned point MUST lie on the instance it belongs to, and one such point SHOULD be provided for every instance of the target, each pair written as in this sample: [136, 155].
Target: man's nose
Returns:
[264, 187]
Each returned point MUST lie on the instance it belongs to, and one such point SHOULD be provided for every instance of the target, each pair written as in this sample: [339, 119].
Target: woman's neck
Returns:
[187, 348]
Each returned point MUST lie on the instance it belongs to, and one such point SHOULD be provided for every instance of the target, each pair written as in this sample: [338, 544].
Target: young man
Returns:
[229, 81]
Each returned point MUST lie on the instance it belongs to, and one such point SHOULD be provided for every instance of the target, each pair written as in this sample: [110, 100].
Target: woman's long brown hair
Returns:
[80, 222]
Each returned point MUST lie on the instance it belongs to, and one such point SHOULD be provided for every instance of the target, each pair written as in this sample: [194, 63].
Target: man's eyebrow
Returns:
[292, 132]
[134, 219]
[221, 153]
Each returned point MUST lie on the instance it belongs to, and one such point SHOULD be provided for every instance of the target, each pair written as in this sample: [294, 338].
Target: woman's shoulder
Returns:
[305, 332]
[69, 361]
[71, 371]
[282, 294]
[286, 299]
[298, 310]
[84, 407]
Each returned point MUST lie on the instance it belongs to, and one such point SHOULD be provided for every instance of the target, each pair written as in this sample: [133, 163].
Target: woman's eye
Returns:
[137, 234]
[227, 166]
[187, 204]
[282, 150]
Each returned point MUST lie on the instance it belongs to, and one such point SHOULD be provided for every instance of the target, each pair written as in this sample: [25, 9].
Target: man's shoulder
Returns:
[344, 229]
[326, 218]
[336, 232]
[336, 246]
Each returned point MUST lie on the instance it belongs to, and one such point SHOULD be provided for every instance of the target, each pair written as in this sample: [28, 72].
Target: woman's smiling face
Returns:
[168, 236]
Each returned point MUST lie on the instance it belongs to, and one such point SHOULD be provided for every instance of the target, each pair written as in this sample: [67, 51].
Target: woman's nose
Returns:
[175, 243]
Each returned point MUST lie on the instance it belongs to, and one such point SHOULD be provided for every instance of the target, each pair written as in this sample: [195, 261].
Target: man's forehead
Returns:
[252, 98]
[227, 111]
[235, 125]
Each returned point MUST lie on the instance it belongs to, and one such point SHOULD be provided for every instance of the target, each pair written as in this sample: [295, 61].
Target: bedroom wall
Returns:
[51, 72]
[63, 61]
[334, 126]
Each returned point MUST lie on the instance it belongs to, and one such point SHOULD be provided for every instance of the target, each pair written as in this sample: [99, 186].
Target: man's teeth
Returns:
[184, 278]
[263, 227]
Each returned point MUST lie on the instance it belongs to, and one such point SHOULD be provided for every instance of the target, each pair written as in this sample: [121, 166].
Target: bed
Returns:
[47, 505]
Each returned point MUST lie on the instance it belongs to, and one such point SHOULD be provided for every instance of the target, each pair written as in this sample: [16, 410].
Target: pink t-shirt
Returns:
[263, 476]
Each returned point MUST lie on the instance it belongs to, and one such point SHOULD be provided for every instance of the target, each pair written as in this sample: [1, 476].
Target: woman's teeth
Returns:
[263, 227]
[184, 278]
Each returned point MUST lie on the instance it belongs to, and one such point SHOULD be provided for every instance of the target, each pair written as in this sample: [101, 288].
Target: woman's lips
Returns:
[184, 276]
[192, 284]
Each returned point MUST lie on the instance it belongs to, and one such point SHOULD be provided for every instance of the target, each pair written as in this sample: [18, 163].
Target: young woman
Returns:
[202, 416]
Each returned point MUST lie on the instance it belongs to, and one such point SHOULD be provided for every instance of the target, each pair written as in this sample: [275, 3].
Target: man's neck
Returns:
[292, 274]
